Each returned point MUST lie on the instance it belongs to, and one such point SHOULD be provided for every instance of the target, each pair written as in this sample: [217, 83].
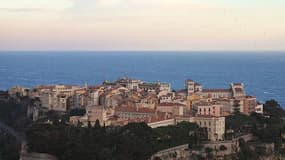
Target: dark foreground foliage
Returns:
[9, 147]
[269, 127]
[14, 113]
[133, 141]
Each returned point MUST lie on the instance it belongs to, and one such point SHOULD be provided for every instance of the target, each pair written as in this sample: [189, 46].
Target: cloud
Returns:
[140, 24]
[34, 5]
[23, 9]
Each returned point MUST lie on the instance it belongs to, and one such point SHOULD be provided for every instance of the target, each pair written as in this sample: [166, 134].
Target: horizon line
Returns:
[142, 50]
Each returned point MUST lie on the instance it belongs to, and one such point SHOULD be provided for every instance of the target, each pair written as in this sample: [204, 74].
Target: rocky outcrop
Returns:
[25, 155]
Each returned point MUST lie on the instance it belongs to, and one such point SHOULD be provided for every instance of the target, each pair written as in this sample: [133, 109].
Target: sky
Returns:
[184, 25]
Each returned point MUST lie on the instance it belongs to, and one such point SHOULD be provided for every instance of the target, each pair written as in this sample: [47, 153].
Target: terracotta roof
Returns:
[45, 87]
[206, 103]
[171, 104]
[207, 116]
[216, 90]
[134, 109]
[94, 87]
[167, 95]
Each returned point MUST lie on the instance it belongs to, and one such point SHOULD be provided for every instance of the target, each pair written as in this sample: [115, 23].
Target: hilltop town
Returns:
[128, 100]
[191, 123]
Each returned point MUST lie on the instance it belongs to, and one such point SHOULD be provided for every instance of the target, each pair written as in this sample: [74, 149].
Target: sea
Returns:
[263, 73]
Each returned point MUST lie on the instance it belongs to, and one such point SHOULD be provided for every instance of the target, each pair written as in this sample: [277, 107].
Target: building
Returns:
[166, 98]
[67, 90]
[131, 84]
[99, 113]
[237, 89]
[243, 104]
[259, 108]
[92, 115]
[216, 93]
[18, 91]
[93, 98]
[149, 101]
[161, 123]
[79, 99]
[215, 125]
[164, 87]
[208, 109]
[56, 97]
[155, 87]
[125, 112]
[249, 104]
[175, 109]
[192, 87]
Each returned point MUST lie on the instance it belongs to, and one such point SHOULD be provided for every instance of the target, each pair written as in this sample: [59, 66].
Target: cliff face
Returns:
[25, 155]
[272, 157]
[36, 156]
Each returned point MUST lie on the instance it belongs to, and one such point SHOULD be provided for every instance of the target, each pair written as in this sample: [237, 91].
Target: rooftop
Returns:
[133, 109]
[216, 90]
[171, 104]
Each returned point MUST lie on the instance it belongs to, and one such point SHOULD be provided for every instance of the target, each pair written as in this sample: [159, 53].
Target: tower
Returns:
[190, 87]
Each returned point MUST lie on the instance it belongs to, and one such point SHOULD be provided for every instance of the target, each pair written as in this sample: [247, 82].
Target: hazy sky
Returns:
[142, 24]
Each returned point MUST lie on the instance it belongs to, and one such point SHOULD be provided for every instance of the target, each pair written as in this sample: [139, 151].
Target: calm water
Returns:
[262, 73]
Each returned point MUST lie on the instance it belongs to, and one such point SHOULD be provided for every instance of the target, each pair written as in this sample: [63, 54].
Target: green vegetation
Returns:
[246, 153]
[77, 112]
[267, 128]
[181, 133]
[8, 147]
[223, 148]
[272, 127]
[13, 112]
[133, 141]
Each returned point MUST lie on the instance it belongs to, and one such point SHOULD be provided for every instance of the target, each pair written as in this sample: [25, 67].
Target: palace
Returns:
[129, 100]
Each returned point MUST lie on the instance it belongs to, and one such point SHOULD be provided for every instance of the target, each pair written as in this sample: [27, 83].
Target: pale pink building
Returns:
[173, 108]
[208, 109]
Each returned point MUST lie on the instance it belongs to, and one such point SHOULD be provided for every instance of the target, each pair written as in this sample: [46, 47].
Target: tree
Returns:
[272, 103]
[245, 152]
[209, 153]
[223, 148]
[97, 124]
[77, 112]
[9, 149]
[18, 95]
[89, 124]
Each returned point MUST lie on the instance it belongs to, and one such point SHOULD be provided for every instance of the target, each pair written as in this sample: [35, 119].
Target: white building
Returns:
[259, 109]
[215, 125]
